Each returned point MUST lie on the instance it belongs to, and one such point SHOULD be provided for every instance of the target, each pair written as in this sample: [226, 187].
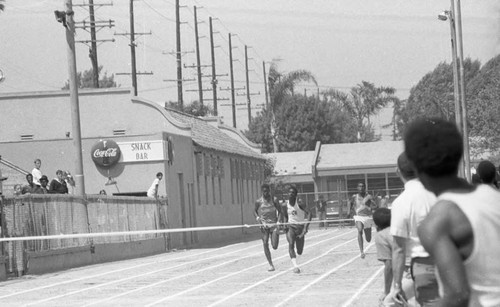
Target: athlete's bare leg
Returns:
[267, 252]
[368, 234]
[291, 238]
[360, 228]
[275, 237]
[299, 242]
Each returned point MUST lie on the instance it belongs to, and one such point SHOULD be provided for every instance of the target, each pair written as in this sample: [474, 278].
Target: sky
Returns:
[341, 42]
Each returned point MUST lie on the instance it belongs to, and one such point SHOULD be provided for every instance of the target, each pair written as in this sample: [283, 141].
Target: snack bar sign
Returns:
[140, 151]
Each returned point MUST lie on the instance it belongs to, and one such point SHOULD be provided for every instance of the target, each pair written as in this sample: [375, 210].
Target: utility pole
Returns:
[248, 86]
[178, 54]
[463, 104]
[214, 75]
[456, 82]
[69, 24]
[198, 61]
[93, 49]
[249, 102]
[132, 44]
[265, 82]
[93, 25]
[132, 48]
[233, 100]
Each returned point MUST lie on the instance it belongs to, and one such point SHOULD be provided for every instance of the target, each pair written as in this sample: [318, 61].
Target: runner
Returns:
[299, 217]
[362, 204]
[267, 212]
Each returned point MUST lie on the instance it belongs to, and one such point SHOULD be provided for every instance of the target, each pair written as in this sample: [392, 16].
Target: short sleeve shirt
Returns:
[151, 191]
[383, 243]
[37, 174]
[408, 211]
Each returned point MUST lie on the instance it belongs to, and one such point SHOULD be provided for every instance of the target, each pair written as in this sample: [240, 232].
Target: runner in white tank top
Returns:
[299, 217]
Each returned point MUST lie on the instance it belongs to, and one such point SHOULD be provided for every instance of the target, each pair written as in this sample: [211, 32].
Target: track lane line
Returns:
[279, 274]
[229, 275]
[363, 287]
[109, 272]
[328, 273]
[201, 270]
[135, 276]
[131, 277]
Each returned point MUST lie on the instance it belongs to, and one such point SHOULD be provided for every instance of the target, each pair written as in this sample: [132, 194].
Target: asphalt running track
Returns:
[332, 274]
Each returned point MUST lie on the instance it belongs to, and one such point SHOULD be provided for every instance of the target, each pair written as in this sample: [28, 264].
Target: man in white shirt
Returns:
[153, 189]
[36, 172]
[409, 210]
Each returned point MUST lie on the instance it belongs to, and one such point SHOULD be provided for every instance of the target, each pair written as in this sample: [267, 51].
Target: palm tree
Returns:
[363, 101]
[281, 86]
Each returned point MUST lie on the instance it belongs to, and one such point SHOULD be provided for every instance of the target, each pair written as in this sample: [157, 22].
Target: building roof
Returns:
[292, 163]
[209, 136]
[359, 155]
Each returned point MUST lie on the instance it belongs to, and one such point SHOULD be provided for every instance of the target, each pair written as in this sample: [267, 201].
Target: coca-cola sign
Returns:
[105, 153]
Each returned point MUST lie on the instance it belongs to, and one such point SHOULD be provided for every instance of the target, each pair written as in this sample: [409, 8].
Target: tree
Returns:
[362, 102]
[483, 107]
[300, 123]
[281, 87]
[85, 80]
[433, 95]
[195, 108]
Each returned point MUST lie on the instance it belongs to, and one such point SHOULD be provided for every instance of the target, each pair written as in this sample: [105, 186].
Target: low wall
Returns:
[39, 215]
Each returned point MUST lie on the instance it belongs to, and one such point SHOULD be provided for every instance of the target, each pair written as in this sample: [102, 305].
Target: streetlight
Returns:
[459, 83]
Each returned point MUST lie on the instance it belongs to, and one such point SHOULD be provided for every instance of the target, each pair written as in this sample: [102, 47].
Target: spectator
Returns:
[153, 190]
[31, 186]
[321, 209]
[475, 179]
[36, 172]
[383, 243]
[42, 189]
[384, 201]
[18, 189]
[102, 192]
[58, 184]
[408, 211]
[462, 230]
[70, 182]
[487, 173]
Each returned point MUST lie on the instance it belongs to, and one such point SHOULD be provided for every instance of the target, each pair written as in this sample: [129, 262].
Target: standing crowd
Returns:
[37, 183]
[440, 242]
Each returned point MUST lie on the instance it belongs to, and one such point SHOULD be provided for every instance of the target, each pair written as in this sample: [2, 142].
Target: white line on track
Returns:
[191, 273]
[131, 277]
[365, 285]
[135, 276]
[108, 272]
[274, 276]
[229, 275]
[335, 269]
